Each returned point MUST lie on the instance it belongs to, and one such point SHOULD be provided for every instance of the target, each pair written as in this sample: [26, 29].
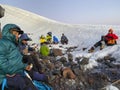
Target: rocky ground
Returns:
[97, 78]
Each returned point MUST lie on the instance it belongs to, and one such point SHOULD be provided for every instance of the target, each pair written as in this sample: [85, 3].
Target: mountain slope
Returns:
[82, 35]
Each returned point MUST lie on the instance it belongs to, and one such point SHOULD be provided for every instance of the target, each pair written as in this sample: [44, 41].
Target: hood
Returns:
[6, 32]
[25, 37]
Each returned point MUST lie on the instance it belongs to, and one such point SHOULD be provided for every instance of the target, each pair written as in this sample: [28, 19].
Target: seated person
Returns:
[55, 40]
[31, 59]
[44, 50]
[64, 39]
[109, 40]
[49, 37]
[42, 39]
[11, 65]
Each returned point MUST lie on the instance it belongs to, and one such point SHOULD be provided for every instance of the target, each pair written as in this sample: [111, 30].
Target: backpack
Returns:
[111, 42]
[2, 10]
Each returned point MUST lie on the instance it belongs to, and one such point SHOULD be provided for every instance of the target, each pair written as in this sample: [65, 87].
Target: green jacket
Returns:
[10, 56]
[44, 50]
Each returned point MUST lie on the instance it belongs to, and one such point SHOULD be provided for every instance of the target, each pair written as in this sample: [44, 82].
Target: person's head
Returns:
[42, 36]
[24, 38]
[110, 30]
[11, 32]
[49, 33]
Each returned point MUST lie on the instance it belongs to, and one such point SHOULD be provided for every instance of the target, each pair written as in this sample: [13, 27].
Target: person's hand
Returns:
[25, 51]
[29, 67]
[8, 75]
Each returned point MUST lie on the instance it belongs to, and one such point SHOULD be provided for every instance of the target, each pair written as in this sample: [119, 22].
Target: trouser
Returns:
[19, 82]
[98, 44]
[37, 76]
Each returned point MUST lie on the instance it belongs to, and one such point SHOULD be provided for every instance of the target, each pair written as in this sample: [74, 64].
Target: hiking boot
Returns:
[91, 50]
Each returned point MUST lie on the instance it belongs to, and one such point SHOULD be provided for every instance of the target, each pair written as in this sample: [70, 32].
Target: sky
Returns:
[73, 11]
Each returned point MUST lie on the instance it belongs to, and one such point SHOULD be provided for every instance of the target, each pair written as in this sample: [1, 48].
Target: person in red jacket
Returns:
[109, 40]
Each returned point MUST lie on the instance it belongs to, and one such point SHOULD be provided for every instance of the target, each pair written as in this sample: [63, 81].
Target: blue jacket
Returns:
[10, 56]
[55, 39]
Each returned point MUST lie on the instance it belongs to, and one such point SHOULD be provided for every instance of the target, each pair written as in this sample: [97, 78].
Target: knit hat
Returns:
[111, 30]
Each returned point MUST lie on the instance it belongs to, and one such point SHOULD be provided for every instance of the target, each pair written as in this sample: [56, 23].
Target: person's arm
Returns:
[115, 36]
[10, 58]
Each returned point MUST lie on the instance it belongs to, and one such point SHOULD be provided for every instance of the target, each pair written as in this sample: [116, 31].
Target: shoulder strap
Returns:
[4, 83]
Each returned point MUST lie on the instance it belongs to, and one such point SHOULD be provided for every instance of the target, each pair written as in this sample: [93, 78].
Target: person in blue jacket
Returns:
[55, 40]
[11, 65]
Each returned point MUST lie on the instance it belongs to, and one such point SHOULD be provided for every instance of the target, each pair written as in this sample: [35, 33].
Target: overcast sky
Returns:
[73, 11]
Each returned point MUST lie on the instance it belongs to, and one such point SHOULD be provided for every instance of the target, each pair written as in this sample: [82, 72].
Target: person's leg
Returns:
[97, 44]
[40, 77]
[94, 46]
[102, 45]
[18, 82]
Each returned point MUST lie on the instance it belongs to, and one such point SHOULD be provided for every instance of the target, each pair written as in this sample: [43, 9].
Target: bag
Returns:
[111, 42]
[68, 73]
[2, 10]
[57, 52]
[37, 84]
[41, 86]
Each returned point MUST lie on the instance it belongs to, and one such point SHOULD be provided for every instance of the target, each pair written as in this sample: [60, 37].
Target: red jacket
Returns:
[111, 36]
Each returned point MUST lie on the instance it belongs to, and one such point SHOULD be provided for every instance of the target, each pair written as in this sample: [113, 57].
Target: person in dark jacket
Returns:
[31, 58]
[109, 40]
[64, 39]
[11, 66]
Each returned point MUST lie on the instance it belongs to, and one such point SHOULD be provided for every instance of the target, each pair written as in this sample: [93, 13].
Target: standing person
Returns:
[109, 40]
[64, 39]
[11, 65]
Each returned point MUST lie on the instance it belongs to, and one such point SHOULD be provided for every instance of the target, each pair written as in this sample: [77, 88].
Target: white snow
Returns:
[83, 36]
[111, 87]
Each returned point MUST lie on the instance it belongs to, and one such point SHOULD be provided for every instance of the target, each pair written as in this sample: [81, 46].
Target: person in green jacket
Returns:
[44, 50]
[11, 65]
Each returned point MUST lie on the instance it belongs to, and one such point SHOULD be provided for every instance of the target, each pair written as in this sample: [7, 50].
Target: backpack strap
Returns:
[4, 83]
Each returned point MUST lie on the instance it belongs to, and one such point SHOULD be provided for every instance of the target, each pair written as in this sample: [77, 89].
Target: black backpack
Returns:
[2, 10]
